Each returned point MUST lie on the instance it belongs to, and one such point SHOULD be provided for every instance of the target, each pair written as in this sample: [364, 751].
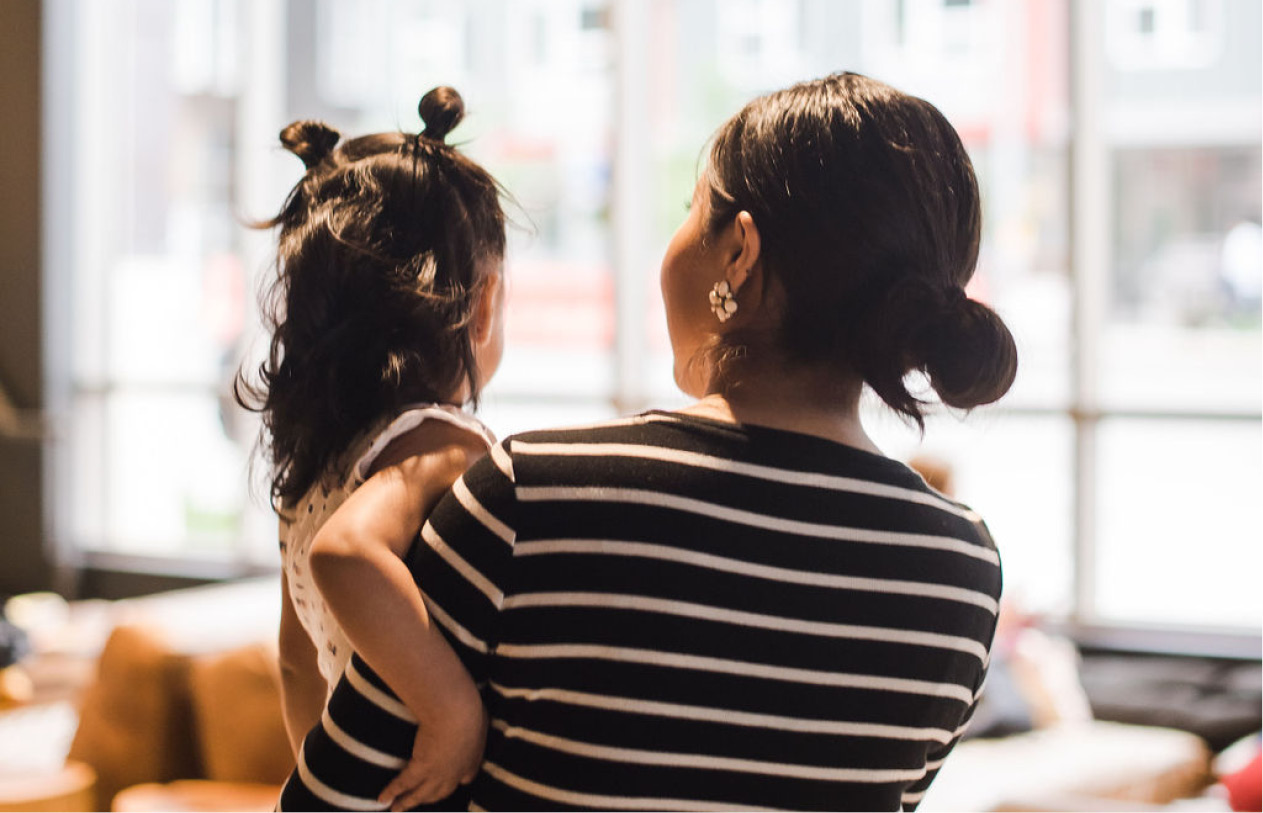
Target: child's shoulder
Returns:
[415, 429]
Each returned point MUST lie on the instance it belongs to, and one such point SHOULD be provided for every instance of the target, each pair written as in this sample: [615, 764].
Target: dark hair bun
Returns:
[441, 110]
[972, 359]
[312, 141]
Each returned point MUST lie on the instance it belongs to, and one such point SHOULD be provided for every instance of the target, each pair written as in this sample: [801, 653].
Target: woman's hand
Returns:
[445, 754]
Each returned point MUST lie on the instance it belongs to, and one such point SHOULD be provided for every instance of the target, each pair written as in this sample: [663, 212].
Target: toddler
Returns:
[387, 319]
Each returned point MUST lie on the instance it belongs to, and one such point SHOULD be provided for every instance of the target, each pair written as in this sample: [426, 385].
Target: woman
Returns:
[743, 604]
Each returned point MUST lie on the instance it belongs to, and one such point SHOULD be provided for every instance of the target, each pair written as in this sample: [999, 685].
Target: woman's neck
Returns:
[801, 400]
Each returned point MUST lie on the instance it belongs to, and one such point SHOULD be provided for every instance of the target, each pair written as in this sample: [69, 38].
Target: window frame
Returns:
[1090, 266]
[1089, 251]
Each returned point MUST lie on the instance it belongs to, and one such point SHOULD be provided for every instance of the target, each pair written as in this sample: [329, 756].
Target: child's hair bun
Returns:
[312, 141]
[441, 110]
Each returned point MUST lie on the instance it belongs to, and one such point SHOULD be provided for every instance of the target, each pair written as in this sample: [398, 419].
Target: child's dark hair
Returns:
[868, 211]
[381, 252]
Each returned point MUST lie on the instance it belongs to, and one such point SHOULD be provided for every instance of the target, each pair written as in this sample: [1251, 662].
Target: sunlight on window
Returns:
[183, 102]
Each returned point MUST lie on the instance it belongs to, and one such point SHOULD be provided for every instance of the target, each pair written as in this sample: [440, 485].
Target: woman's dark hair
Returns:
[868, 211]
[380, 252]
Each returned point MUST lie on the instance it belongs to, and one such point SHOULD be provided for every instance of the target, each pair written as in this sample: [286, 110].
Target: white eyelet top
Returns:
[298, 529]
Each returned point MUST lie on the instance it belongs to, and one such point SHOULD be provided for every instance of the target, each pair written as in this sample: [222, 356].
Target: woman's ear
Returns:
[490, 291]
[745, 247]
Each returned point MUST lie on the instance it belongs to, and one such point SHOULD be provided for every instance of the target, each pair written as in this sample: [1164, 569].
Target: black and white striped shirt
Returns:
[668, 612]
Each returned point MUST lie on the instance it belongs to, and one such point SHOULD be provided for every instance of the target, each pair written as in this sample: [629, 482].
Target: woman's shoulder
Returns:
[685, 437]
[581, 451]
[715, 444]
[662, 450]
[638, 427]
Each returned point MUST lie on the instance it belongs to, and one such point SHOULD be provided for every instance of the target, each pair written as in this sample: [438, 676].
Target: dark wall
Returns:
[23, 563]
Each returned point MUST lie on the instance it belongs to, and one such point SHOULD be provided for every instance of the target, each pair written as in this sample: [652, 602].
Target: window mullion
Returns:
[1089, 271]
[631, 196]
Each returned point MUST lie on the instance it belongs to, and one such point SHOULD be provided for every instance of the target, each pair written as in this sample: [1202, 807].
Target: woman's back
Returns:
[673, 612]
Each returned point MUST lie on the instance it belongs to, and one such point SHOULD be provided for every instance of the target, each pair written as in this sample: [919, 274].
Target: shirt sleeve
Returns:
[938, 754]
[935, 758]
[461, 562]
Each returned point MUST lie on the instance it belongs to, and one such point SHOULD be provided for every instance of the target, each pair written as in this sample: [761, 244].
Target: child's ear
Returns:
[490, 291]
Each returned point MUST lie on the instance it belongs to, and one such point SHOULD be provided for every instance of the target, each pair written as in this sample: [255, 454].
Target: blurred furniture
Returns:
[185, 687]
[172, 702]
[1037, 744]
[69, 787]
[34, 773]
[1133, 767]
[196, 795]
[1219, 700]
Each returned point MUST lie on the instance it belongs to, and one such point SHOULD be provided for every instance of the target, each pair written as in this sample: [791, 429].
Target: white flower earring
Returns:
[722, 301]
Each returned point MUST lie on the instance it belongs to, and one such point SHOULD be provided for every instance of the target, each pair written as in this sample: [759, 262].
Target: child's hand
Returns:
[447, 753]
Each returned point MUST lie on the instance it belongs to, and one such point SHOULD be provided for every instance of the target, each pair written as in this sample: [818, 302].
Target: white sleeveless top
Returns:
[299, 528]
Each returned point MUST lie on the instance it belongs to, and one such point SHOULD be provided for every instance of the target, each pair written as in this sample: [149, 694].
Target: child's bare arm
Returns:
[356, 561]
[303, 690]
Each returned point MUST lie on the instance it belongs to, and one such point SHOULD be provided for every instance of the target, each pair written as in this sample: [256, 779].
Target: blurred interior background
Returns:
[1117, 144]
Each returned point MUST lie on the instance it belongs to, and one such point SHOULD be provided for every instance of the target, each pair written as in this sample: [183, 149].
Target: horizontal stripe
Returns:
[723, 464]
[611, 423]
[743, 517]
[860, 735]
[594, 801]
[450, 624]
[724, 615]
[740, 567]
[333, 797]
[912, 798]
[502, 460]
[358, 749]
[376, 696]
[445, 552]
[706, 762]
[490, 522]
[675, 660]
[726, 716]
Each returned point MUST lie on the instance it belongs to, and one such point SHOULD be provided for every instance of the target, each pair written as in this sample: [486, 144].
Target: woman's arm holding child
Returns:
[357, 562]
[303, 690]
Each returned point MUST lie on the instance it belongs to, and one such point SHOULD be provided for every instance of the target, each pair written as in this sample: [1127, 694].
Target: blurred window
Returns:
[998, 71]
[596, 115]
[1177, 538]
[1173, 376]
